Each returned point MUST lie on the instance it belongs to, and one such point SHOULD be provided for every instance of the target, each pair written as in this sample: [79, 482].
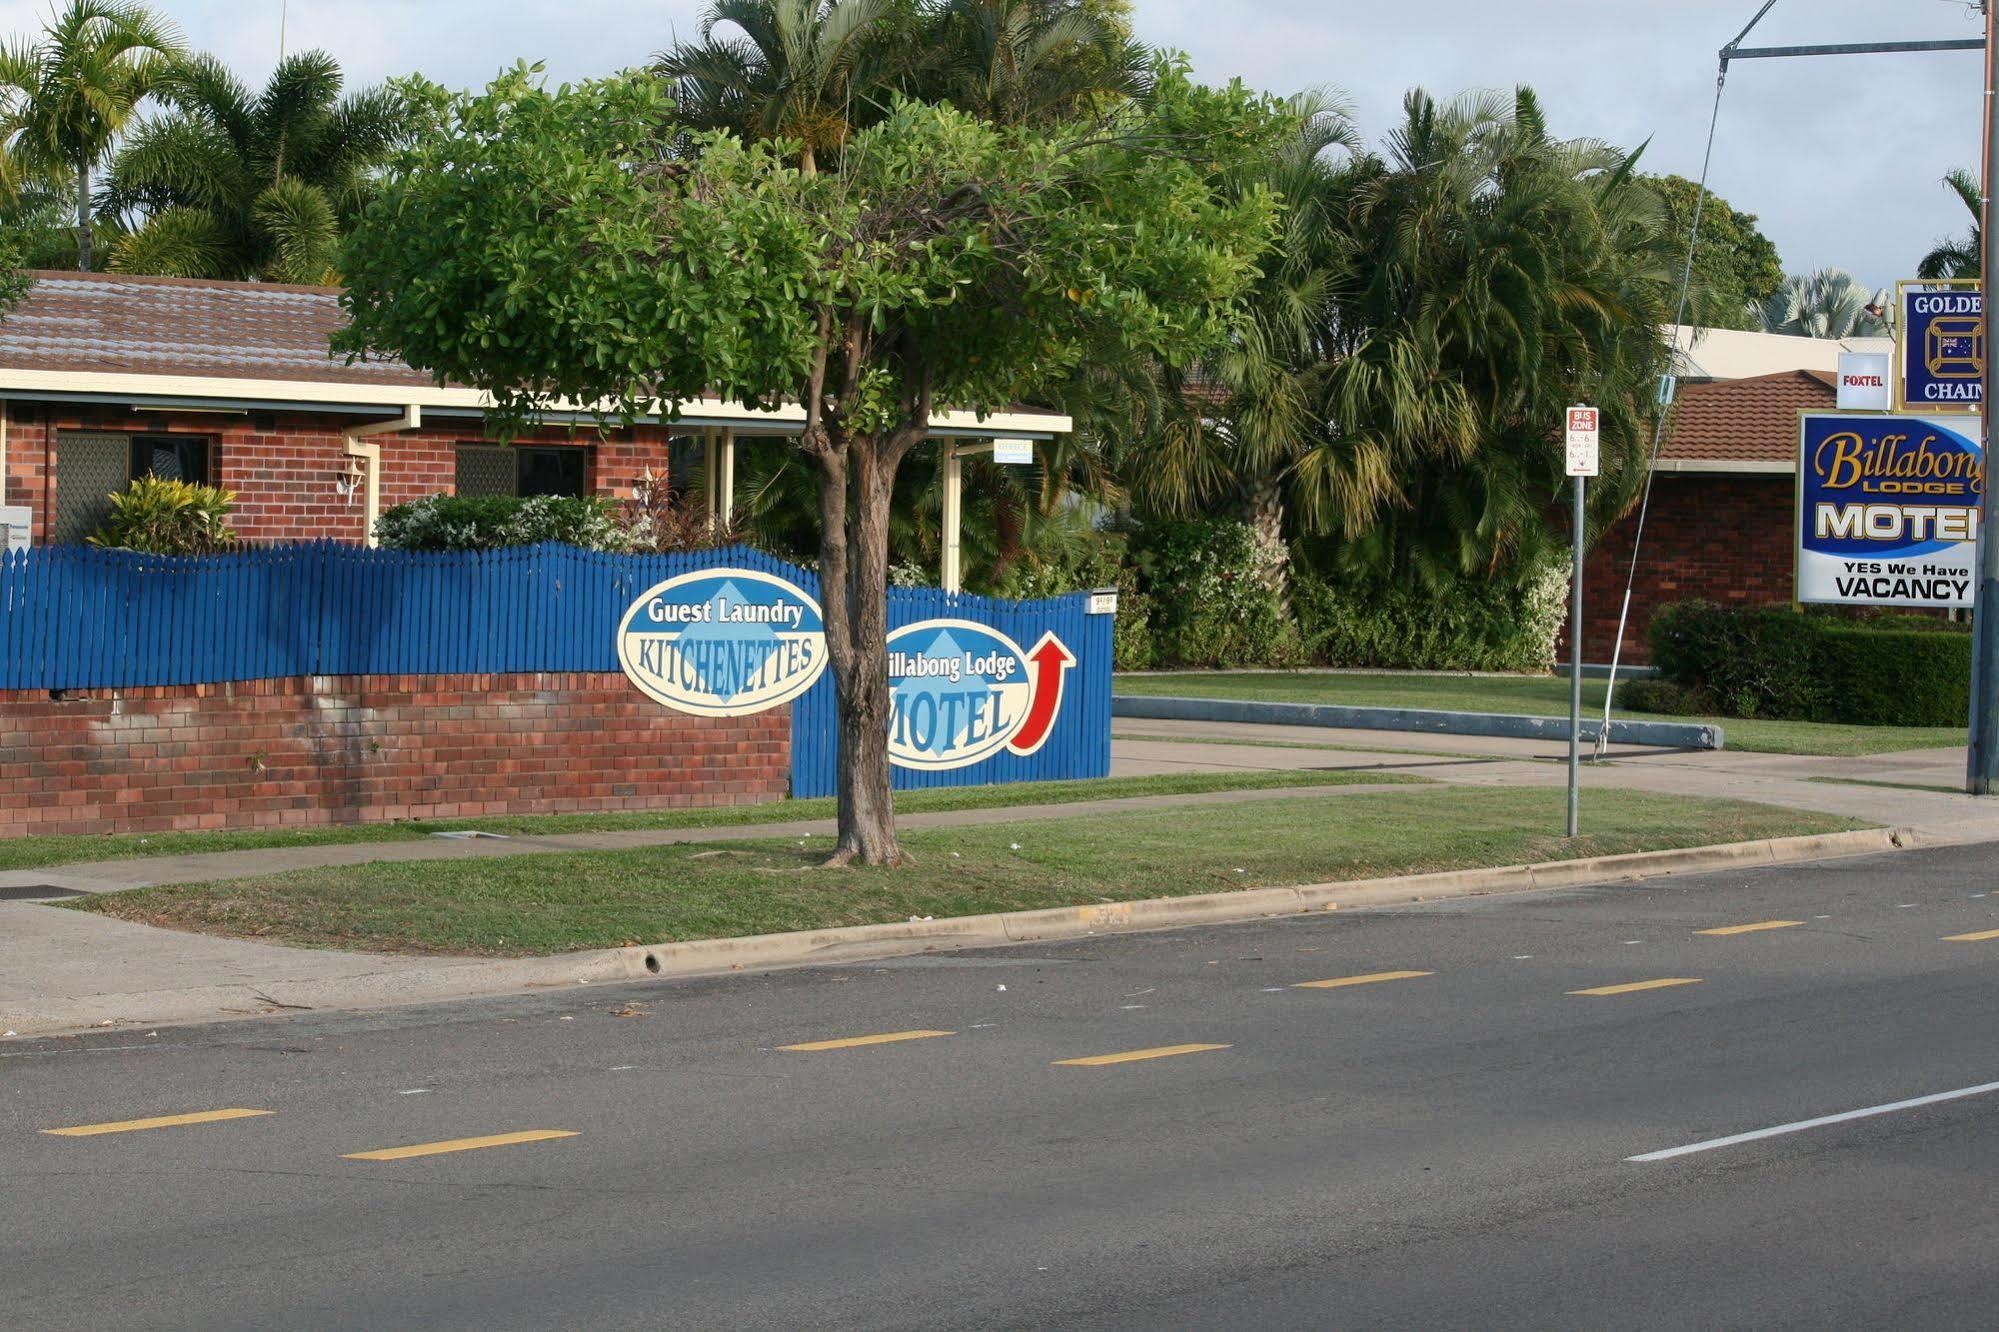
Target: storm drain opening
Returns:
[652, 963]
[39, 892]
[468, 835]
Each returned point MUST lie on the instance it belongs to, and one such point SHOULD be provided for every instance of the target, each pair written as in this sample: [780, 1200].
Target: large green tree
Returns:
[1495, 275]
[65, 99]
[1735, 264]
[549, 245]
[236, 184]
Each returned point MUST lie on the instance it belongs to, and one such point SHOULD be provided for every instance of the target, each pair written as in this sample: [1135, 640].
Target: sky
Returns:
[1839, 157]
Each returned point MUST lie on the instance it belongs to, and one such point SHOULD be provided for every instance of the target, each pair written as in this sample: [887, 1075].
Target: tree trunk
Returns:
[1263, 510]
[83, 255]
[853, 583]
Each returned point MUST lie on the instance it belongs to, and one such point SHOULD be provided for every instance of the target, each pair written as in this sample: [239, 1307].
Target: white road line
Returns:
[1800, 1126]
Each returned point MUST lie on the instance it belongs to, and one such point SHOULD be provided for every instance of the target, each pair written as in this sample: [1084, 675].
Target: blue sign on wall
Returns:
[1940, 346]
[1887, 511]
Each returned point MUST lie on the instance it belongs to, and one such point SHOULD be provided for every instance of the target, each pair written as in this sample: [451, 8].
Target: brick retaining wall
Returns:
[309, 751]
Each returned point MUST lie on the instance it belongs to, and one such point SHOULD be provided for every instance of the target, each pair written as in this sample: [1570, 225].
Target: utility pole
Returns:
[1983, 766]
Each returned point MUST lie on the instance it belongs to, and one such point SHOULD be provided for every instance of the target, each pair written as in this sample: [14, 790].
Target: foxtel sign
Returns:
[1887, 511]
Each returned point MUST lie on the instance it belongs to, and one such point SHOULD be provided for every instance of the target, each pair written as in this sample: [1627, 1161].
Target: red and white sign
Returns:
[1864, 384]
[1582, 441]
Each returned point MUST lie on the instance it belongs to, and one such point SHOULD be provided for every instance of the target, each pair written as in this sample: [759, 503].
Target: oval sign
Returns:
[960, 693]
[723, 642]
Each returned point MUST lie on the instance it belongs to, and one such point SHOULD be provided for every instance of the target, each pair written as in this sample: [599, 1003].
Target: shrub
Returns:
[1895, 677]
[1774, 662]
[1471, 626]
[1208, 589]
[1667, 698]
[490, 522]
[160, 517]
[1098, 563]
[657, 519]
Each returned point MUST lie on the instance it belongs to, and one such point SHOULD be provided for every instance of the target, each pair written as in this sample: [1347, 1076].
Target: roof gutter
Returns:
[371, 457]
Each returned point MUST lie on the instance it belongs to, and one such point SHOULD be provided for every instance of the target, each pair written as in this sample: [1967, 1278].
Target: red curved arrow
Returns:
[1051, 661]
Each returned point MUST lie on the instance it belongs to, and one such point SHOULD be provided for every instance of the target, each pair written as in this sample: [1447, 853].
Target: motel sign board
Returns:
[1887, 511]
[1939, 346]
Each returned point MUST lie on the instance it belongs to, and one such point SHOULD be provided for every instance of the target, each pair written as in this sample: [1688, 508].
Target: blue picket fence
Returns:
[76, 617]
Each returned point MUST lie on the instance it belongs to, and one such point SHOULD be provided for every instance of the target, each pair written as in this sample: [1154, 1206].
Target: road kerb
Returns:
[462, 979]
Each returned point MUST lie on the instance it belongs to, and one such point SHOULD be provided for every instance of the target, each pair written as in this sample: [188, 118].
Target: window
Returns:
[171, 458]
[522, 469]
[90, 467]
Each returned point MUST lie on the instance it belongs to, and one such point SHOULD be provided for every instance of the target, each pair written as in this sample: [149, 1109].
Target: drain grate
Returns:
[38, 892]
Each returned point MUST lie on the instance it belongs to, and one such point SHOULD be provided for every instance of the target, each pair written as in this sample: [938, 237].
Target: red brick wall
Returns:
[1724, 538]
[283, 467]
[304, 751]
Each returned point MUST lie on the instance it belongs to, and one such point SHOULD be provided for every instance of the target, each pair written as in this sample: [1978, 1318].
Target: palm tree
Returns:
[802, 70]
[1251, 414]
[232, 184]
[1830, 303]
[1016, 62]
[1495, 274]
[1957, 258]
[65, 99]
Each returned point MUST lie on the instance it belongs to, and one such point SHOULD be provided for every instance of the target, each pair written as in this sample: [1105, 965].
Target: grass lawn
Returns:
[564, 901]
[35, 852]
[1534, 696]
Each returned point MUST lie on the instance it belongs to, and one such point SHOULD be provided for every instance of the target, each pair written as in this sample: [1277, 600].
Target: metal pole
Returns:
[1983, 766]
[1576, 660]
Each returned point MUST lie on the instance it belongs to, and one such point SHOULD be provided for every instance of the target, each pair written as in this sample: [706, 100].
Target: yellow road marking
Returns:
[1979, 937]
[1133, 1056]
[1372, 978]
[458, 1145]
[1635, 986]
[160, 1122]
[850, 1042]
[1752, 929]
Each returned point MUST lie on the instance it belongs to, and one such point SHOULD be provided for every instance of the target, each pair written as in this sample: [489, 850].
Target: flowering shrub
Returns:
[490, 522]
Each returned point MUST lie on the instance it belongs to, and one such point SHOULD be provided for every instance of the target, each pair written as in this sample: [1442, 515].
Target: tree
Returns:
[65, 99]
[235, 185]
[1735, 264]
[1830, 303]
[1494, 276]
[1031, 62]
[1251, 411]
[549, 245]
[798, 70]
[1959, 257]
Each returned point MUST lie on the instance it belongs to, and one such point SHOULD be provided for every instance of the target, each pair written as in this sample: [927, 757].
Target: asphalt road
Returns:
[1441, 1149]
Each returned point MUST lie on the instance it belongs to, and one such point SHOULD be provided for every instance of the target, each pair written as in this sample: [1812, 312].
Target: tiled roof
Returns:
[114, 324]
[1745, 420]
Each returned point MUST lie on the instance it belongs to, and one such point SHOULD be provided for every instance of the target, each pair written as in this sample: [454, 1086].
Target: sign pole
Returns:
[1576, 661]
[1983, 765]
[1580, 426]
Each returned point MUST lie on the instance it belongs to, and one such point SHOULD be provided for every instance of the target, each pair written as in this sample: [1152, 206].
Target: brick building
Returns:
[104, 378]
[1724, 496]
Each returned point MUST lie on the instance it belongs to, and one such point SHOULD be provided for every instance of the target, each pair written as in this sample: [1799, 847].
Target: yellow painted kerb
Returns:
[459, 1145]
[1633, 987]
[1133, 1056]
[158, 1122]
[853, 1042]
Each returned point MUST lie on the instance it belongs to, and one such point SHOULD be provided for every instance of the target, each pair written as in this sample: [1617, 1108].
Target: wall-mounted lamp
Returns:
[348, 484]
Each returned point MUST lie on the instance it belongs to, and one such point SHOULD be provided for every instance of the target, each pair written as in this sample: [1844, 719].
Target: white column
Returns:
[727, 506]
[954, 513]
[710, 474]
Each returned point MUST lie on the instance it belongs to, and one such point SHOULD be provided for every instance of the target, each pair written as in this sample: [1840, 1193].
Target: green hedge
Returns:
[1777, 663]
[1470, 626]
